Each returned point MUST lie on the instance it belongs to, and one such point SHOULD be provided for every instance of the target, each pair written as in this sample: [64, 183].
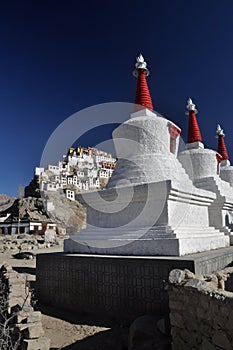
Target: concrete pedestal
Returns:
[118, 285]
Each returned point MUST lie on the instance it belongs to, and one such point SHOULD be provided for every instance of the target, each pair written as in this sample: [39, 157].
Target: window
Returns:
[174, 132]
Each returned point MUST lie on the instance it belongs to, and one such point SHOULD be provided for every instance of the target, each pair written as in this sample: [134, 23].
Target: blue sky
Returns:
[58, 57]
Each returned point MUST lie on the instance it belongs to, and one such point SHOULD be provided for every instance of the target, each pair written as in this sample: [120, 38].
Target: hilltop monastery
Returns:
[82, 169]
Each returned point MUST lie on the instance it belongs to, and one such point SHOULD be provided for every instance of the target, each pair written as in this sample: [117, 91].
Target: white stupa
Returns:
[151, 206]
[202, 166]
[226, 170]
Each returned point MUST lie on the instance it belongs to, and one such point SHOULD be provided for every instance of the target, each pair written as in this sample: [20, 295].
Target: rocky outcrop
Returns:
[5, 202]
[26, 208]
[201, 310]
[68, 214]
[33, 189]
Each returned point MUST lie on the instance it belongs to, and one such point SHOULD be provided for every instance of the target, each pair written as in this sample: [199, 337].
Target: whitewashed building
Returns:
[82, 169]
[10, 226]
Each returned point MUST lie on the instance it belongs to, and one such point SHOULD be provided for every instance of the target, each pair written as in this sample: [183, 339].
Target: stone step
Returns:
[198, 234]
[194, 228]
[125, 236]
[133, 237]
[154, 233]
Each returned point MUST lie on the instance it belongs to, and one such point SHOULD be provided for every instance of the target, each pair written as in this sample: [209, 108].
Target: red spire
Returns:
[222, 150]
[142, 96]
[194, 134]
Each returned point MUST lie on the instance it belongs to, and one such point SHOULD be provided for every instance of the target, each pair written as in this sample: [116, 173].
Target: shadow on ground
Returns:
[25, 269]
[114, 339]
[91, 319]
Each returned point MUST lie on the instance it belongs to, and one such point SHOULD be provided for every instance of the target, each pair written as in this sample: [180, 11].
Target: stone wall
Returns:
[20, 325]
[201, 310]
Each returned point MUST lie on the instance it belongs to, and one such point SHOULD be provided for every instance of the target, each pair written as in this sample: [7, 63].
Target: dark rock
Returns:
[163, 325]
[144, 335]
[24, 255]
[33, 189]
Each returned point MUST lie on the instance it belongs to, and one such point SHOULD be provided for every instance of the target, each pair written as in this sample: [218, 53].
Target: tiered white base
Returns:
[175, 223]
[155, 242]
[221, 210]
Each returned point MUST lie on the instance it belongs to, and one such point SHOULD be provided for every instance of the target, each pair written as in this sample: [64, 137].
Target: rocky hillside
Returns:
[25, 208]
[66, 214]
[46, 207]
[5, 202]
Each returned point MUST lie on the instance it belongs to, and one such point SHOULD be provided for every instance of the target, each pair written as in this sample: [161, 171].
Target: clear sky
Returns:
[58, 57]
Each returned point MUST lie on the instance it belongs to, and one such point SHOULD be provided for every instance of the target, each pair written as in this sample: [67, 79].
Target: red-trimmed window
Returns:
[174, 132]
[219, 159]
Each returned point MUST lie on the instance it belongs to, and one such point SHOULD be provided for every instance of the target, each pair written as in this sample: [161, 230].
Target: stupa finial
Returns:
[191, 106]
[219, 131]
[194, 134]
[222, 150]
[140, 62]
[142, 97]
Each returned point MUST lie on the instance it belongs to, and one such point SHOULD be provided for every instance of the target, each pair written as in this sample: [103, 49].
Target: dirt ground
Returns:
[67, 330]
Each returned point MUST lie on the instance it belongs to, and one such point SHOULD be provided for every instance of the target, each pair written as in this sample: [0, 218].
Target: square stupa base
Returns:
[116, 285]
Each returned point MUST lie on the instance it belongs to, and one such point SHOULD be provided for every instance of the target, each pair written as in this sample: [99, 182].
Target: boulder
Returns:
[145, 335]
[177, 276]
[50, 236]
